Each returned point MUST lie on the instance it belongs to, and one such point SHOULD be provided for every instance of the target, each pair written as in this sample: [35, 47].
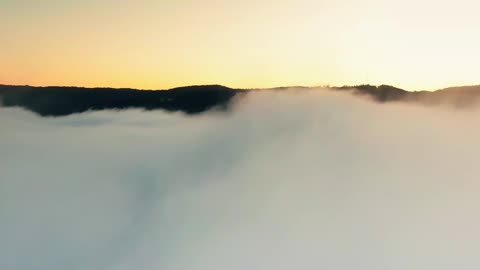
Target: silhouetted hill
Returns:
[463, 96]
[60, 101]
[382, 93]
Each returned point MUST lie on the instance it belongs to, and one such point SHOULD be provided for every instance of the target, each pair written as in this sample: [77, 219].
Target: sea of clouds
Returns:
[285, 180]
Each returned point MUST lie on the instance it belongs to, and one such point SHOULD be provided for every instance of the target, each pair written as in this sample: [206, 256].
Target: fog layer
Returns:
[311, 180]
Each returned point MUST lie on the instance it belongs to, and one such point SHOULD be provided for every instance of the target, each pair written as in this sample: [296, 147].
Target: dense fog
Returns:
[283, 180]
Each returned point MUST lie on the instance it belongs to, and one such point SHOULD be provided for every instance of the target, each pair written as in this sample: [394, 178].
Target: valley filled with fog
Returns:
[282, 180]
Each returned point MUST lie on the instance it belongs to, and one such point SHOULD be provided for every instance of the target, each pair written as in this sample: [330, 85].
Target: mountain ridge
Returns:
[196, 99]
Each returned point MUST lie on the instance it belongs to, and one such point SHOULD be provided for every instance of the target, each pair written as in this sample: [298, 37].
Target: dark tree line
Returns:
[61, 101]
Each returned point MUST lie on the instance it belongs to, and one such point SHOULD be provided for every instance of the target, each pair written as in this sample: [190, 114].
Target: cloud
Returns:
[286, 180]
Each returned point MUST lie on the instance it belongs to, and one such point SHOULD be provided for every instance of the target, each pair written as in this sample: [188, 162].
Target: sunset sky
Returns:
[413, 44]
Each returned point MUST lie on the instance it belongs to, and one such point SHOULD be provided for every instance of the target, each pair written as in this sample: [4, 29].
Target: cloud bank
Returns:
[286, 180]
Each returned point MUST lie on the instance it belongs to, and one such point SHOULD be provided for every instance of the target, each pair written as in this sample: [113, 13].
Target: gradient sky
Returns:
[160, 44]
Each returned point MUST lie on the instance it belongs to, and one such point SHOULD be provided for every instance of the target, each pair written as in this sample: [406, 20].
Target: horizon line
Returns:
[234, 88]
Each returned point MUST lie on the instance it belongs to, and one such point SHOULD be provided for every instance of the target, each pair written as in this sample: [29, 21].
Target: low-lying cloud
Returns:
[286, 180]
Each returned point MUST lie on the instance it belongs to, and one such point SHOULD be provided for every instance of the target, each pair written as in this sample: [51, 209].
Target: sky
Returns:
[147, 44]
